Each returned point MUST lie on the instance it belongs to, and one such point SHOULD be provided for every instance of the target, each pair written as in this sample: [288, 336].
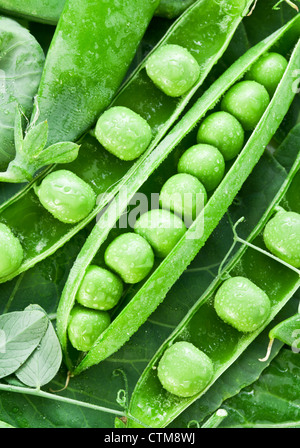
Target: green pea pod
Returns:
[22, 62]
[58, 84]
[172, 8]
[150, 402]
[288, 332]
[87, 61]
[153, 291]
[46, 11]
[43, 11]
[103, 172]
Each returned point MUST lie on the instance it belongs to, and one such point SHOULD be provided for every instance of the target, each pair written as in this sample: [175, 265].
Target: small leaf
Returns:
[44, 363]
[36, 139]
[20, 334]
[64, 152]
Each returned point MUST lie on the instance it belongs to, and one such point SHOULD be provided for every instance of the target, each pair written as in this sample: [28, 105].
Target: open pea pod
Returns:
[146, 299]
[26, 216]
[220, 341]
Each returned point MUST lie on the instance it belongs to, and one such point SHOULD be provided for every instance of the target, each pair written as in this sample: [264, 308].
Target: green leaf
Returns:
[65, 152]
[42, 366]
[44, 363]
[22, 61]
[5, 425]
[35, 139]
[272, 401]
[20, 334]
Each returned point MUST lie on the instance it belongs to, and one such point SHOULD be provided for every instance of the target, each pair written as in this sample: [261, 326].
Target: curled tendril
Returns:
[122, 398]
[193, 424]
[122, 395]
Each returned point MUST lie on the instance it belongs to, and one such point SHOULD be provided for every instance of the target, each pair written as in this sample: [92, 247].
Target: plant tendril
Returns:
[223, 275]
[69, 376]
[193, 424]
[258, 249]
[269, 349]
[252, 9]
[289, 2]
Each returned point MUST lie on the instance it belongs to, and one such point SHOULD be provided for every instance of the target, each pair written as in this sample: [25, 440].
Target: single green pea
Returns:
[100, 289]
[11, 251]
[123, 133]
[268, 71]
[282, 237]
[173, 70]
[184, 370]
[205, 162]
[247, 102]
[130, 256]
[67, 197]
[85, 327]
[162, 229]
[223, 131]
[185, 195]
[242, 304]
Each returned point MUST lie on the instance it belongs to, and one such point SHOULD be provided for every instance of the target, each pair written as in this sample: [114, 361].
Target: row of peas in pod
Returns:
[200, 169]
[184, 370]
[131, 256]
[123, 133]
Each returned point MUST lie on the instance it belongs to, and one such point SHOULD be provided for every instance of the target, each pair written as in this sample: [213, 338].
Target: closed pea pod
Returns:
[288, 332]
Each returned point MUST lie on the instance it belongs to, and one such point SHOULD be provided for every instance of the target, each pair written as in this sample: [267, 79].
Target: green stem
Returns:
[237, 239]
[42, 394]
[240, 240]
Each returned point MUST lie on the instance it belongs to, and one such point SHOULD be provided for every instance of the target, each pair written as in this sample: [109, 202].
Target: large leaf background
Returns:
[100, 385]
